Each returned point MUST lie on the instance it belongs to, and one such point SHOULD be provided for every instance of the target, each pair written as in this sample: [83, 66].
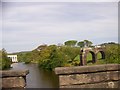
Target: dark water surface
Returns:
[37, 78]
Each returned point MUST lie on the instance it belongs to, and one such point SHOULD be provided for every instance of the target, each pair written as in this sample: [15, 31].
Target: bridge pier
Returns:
[83, 60]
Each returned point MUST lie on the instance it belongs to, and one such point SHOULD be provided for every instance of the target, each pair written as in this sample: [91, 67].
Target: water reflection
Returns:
[38, 78]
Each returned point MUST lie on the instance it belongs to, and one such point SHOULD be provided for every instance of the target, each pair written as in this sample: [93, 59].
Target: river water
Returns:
[38, 78]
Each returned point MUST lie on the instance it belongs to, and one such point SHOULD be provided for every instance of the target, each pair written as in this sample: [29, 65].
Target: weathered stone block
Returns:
[13, 73]
[13, 78]
[13, 82]
[88, 78]
[97, 76]
[112, 84]
[86, 69]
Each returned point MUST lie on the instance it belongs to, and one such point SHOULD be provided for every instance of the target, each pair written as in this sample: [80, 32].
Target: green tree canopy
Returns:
[112, 52]
[70, 43]
[81, 44]
[88, 43]
[5, 62]
[52, 57]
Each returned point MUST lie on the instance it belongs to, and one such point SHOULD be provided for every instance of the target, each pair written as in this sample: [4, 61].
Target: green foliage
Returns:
[70, 43]
[88, 43]
[21, 56]
[81, 44]
[84, 43]
[112, 52]
[89, 57]
[54, 56]
[99, 56]
[49, 57]
[28, 58]
[5, 62]
[24, 57]
[71, 52]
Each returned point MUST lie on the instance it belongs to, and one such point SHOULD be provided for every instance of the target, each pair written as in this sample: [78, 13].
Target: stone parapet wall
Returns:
[98, 76]
[13, 78]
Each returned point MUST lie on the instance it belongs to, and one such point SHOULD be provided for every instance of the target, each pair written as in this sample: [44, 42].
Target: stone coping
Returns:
[87, 69]
[13, 73]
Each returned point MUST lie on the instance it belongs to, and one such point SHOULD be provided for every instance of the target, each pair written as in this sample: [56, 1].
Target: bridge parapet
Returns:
[13, 78]
[97, 76]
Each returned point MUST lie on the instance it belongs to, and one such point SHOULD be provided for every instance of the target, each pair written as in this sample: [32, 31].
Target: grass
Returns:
[99, 59]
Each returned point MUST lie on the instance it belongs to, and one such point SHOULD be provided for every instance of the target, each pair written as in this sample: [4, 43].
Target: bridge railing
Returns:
[98, 76]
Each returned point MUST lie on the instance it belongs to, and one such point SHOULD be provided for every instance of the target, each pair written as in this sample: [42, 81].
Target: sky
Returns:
[26, 25]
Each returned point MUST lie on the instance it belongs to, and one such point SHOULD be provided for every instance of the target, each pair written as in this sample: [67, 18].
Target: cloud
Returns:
[26, 25]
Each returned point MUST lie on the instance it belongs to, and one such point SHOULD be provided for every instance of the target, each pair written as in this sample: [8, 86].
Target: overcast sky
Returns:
[28, 25]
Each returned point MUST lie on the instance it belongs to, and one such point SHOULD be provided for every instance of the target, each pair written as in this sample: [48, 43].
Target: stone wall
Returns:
[13, 78]
[98, 76]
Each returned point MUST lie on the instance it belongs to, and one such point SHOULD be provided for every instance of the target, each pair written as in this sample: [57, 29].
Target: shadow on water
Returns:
[38, 78]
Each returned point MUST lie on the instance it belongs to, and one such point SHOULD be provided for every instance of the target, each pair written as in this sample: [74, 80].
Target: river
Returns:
[38, 78]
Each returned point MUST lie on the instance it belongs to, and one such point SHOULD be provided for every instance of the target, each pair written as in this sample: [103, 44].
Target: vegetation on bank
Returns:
[5, 62]
[112, 52]
[49, 57]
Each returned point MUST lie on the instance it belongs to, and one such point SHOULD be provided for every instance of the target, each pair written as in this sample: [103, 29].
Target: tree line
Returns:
[51, 56]
[80, 44]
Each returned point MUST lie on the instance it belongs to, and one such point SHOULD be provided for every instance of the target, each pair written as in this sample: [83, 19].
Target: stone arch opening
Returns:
[93, 57]
[102, 54]
[94, 52]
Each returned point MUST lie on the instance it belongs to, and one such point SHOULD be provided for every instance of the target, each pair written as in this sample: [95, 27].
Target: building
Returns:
[13, 58]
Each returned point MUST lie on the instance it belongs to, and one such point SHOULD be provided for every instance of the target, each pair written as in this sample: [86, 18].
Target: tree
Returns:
[112, 53]
[52, 57]
[70, 52]
[81, 44]
[70, 43]
[5, 62]
[87, 43]
[84, 43]
[28, 57]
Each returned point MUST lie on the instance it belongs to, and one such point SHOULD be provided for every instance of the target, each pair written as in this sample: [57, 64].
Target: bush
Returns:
[52, 57]
[5, 62]
[112, 53]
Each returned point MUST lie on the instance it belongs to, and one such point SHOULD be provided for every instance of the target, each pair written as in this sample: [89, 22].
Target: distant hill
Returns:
[19, 52]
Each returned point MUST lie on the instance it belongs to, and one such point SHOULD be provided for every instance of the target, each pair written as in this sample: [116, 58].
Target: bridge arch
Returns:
[102, 54]
[93, 56]
[94, 52]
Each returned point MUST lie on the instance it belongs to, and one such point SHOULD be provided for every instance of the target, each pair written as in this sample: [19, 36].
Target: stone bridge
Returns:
[94, 52]
[96, 76]
[10, 79]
